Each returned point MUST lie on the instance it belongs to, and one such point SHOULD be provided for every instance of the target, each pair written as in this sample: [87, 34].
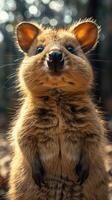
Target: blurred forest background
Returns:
[53, 13]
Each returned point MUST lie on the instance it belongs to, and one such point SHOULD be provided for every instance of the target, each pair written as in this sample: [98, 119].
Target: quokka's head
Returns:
[56, 58]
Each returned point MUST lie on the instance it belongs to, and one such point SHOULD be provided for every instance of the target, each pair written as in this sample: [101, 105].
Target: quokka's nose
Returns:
[55, 61]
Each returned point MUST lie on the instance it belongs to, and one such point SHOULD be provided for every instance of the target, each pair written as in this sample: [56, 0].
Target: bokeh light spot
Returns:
[11, 5]
[2, 4]
[56, 5]
[45, 20]
[9, 28]
[67, 19]
[1, 37]
[11, 17]
[53, 22]
[84, 1]
[33, 10]
[45, 1]
[30, 1]
[4, 17]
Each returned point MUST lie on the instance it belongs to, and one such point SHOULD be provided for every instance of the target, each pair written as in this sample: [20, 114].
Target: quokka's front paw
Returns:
[38, 172]
[82, 169]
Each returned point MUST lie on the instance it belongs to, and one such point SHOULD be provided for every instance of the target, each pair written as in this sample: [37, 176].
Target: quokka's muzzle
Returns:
[55, 61]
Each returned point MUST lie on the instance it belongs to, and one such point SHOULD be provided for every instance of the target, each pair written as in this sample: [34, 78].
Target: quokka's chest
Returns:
[57, 130]
[57, 137]
[65, 117]
[58, 119]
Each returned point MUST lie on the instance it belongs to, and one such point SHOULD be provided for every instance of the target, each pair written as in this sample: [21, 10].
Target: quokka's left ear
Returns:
[25, 34]
[87, 34]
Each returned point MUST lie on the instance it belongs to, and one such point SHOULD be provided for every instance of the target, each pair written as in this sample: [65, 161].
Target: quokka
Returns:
[58, 137]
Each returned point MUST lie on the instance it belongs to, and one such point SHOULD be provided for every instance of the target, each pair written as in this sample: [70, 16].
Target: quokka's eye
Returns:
[70, 48]
[39, 49]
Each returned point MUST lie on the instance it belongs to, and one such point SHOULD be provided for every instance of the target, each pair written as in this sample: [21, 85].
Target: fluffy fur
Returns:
[58, 127]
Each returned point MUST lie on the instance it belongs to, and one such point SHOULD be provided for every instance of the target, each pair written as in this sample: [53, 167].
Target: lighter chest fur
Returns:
[58, 135]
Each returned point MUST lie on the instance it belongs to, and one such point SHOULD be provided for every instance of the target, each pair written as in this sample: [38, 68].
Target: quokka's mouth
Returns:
[56, 73]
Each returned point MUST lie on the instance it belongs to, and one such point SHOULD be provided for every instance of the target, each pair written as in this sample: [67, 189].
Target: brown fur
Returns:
[58, 121]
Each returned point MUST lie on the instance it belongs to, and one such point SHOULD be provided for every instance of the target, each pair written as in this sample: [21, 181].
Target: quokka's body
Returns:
[58, 137]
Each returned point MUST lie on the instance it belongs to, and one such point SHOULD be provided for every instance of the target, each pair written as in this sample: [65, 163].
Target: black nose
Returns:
[55, 61]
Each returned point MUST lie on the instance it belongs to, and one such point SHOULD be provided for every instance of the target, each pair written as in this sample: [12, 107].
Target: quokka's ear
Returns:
[26, 33]
[87, 34]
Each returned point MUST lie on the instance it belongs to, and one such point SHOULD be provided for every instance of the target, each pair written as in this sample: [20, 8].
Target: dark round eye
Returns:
[39, 49]
[70, 48]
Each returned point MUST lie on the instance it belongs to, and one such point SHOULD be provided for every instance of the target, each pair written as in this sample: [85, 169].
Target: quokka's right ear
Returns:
[86, 33]
[26, 33]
